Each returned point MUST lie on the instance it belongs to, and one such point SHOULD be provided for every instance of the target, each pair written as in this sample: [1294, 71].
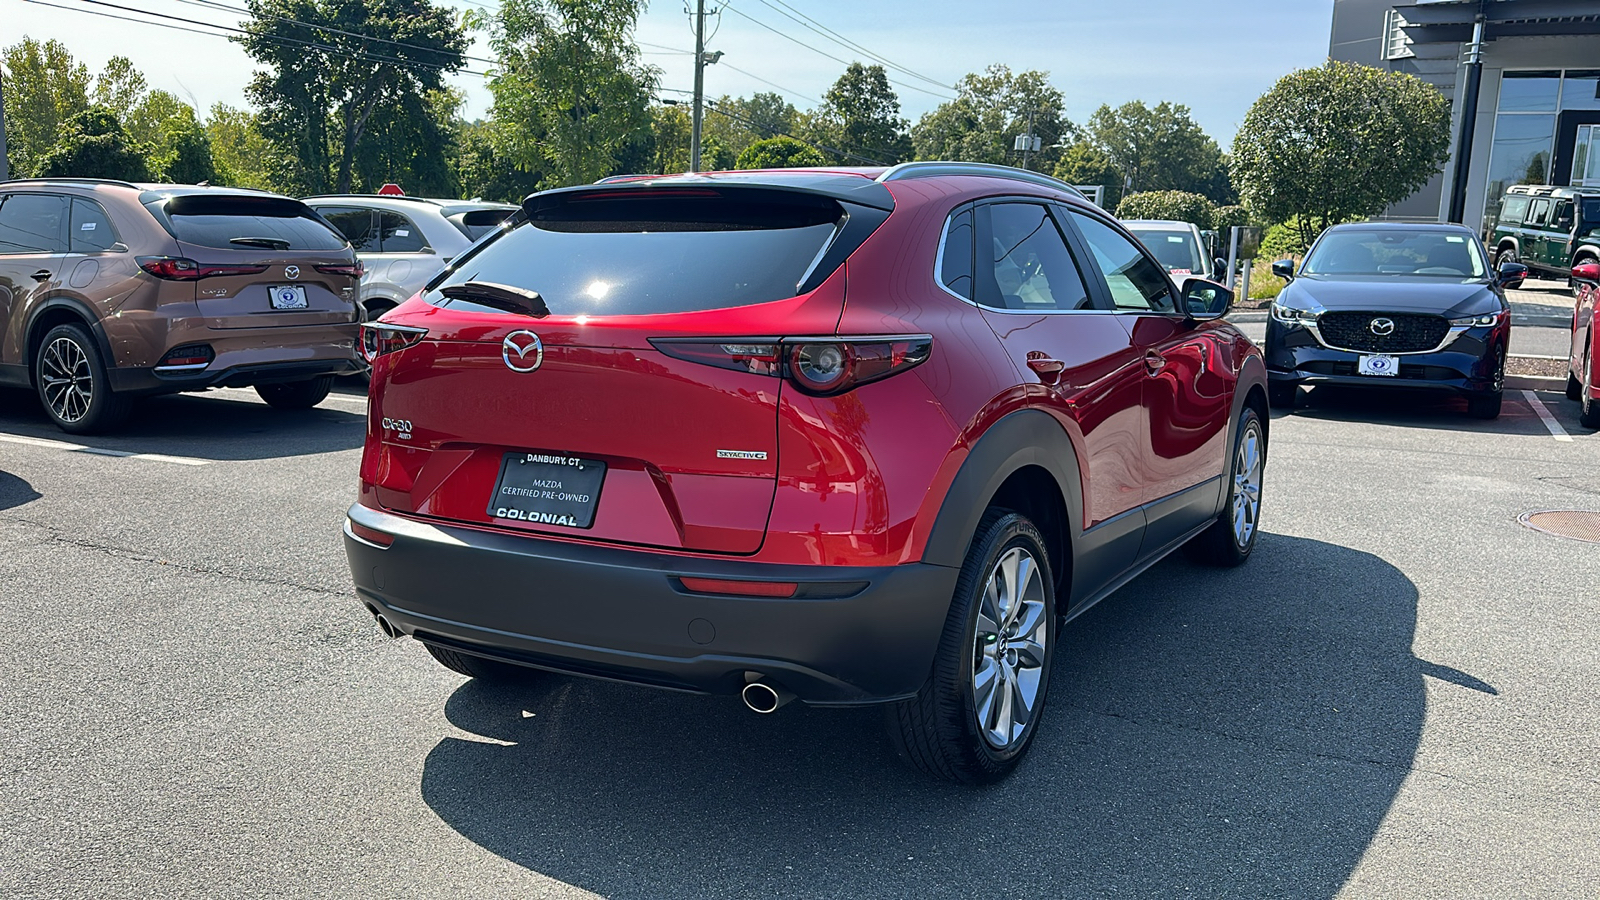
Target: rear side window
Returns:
[32, 223]
[1562, 216]
[1513, 209]
[355, 224]
[1537, 213]
[479, 222]
[396, 234]
[624, 252]
[223, 221]
[955, 263]
[90, 230]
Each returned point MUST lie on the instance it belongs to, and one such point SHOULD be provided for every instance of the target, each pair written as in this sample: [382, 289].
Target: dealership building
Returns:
[1537, 118]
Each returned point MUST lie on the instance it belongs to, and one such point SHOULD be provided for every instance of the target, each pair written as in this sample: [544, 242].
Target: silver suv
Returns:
[404, 241]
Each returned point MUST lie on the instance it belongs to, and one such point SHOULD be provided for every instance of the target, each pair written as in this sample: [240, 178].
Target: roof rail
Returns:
[71, 180]
[933, 169]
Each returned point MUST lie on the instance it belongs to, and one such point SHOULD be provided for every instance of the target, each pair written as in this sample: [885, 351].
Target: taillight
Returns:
[816, 365]
[178, 268]
[378, 338]
[354, 271]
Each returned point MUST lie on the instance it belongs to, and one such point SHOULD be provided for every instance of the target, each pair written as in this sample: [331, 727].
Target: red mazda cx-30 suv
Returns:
[850, 436]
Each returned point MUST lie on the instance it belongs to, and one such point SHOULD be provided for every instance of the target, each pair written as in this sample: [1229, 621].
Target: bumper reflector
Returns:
[739, 588]
[370, 535]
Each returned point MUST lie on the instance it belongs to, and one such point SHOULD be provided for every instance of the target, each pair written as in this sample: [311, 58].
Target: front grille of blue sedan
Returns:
[1354, 331]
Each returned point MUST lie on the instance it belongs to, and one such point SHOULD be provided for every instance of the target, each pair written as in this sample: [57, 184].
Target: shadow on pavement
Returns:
[15, 492]
[1414, 408]
[204, 426]
[1211, 733]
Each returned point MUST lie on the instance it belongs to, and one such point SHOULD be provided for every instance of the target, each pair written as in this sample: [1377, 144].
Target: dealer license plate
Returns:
[547, 489]
[288, 296]
[1378, 365]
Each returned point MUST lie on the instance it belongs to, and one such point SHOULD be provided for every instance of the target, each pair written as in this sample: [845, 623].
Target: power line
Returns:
[836, 59]
[212, 4]
[754, 126]
[780, 87]
[823, 30]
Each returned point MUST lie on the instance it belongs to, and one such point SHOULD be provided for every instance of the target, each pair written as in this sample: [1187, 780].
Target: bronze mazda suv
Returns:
[111, 290]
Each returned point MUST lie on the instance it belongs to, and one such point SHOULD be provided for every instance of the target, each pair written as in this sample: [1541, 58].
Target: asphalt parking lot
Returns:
[1394, 698]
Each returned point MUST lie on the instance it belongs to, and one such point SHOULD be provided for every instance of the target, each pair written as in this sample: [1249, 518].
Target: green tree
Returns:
[410, 141]
[481, 171]
[241, 154]
[187, 157]
[1338, 142]
[120, 87]
[569, 90]
[93, 145]
[1225, 217]
[670, 125]
[1160, 148]
[779, 153]
[1179, 206]
[1083, 163]
[317, 100]
[43, 88]
[860, 117]
[990, 110]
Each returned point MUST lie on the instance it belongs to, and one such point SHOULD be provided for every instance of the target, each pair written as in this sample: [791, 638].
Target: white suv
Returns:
[404, 241]
[1176, 245]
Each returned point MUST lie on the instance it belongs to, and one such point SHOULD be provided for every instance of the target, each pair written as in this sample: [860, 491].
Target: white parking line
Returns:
[101, 451]
[1556, 431]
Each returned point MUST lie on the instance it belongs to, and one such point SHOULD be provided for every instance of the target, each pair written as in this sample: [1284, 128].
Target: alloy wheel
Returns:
[68, 379]
[1247, 485]
[1009, 648]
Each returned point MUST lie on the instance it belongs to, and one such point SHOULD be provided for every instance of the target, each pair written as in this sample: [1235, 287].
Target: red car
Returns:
[1583, 378]
[849, 436]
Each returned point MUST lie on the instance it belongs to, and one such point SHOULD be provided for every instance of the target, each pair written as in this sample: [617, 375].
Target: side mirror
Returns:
[1205, 300]
[1586, 272]
[1511, 275]
[1219, 269]
[1564, 223]
[1284, 268]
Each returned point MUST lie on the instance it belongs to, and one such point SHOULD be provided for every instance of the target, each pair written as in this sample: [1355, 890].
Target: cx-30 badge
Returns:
[291, 272]
[1382, 327]
[522, 351]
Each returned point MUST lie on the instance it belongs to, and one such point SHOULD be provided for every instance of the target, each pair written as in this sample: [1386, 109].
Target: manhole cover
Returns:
[1580, 525]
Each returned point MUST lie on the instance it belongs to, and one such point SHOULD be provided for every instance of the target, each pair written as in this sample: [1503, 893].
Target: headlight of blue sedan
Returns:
[1482, 321]
[1291, 316]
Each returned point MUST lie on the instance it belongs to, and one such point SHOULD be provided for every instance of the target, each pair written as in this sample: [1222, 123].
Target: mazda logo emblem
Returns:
[1382, 327]
[291, 272]
[522, 351]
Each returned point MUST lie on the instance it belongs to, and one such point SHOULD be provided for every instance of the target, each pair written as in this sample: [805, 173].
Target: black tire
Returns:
[296, 394]
[1574, 389]
[1507, 255]
[938, 730]
[1282, 394]
[370, 314]
[1221, 544]
[480, 668]
[73, 385]
[1589, 408]
[1487, 405]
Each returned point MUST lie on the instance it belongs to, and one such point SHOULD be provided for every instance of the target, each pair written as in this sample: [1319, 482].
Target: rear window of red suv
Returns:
[239, 222]
[647, 252]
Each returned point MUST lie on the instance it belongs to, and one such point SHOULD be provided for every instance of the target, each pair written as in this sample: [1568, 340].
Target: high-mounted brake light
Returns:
[816, 365]
[354, 271]
[178, 268]
[379, 338]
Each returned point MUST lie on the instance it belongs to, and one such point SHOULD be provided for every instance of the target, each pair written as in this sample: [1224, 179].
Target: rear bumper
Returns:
[151, 381]
[621, 614]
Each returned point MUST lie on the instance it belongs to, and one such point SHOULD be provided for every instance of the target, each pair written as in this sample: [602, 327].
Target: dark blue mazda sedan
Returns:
[1393, 305]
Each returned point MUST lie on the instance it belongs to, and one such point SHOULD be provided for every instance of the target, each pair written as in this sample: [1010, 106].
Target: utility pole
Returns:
[5, 171]
[1028, 147]
[699, 83]
[1469, 117]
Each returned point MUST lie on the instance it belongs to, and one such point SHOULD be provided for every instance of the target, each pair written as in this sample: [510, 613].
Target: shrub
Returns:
[779, 153]
[1179, 206]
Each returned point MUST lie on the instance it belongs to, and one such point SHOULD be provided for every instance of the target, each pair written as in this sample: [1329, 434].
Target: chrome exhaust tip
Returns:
[764, 697]
[384, 625]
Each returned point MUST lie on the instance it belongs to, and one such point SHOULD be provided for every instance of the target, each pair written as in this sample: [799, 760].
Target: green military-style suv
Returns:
[1548, 229]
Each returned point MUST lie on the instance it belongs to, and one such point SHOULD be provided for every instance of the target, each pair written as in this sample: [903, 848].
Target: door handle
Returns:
[42, 275]
[1153, 361]
[1048, 369]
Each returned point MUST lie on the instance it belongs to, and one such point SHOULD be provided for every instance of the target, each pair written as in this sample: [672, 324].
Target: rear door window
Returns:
[90, 230]
[244, 222]
[397, 234]
[619, 253]
[1537, 213]
[1513, 210]
[1029, 266]
[33, 223]
[355, 224]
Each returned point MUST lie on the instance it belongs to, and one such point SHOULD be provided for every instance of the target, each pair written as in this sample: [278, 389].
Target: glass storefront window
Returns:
[1581, 91]
[1529, 91]
[1521, 151]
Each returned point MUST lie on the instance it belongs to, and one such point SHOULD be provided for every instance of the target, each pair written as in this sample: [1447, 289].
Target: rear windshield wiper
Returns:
[265, 243]
[499, 296]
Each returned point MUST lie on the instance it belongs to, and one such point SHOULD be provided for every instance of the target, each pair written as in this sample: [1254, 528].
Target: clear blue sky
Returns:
[1215, 57]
